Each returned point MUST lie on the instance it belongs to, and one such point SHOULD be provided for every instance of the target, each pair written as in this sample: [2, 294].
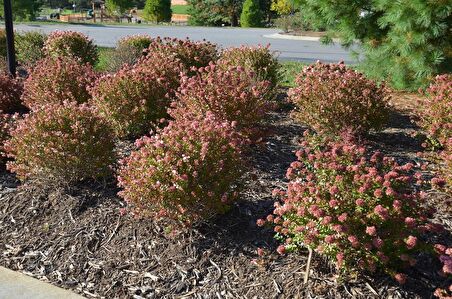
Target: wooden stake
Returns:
[308, 267]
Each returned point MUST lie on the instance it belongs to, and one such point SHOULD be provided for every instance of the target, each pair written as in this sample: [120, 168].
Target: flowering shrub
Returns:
[29, 47]
[256, 59]
[436, 110]
[10, 93]
[232, 95]
[71, 44]
[55, 80]
[436, 119]
[136, 96]
[446, 270]
[331, 98]
[128, 51]
[186, 172]
[191, 54]
[4, 134]
[362, 212]
[64, 143]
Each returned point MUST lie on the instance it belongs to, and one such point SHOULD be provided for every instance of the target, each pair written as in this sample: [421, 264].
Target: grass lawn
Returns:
[104, 56]
[290, 70]
[180, 9]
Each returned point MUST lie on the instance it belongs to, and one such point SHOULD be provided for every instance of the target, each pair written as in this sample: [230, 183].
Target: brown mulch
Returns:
[77, 238]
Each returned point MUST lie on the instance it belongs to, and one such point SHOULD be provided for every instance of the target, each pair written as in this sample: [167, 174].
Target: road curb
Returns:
[15, 285]
[295, 37]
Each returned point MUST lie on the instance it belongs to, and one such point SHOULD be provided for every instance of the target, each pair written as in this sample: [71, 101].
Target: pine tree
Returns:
[251, 14]
[158, 11]
[406, 42]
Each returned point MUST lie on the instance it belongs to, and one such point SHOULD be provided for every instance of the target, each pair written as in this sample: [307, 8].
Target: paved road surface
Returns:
[299, 50]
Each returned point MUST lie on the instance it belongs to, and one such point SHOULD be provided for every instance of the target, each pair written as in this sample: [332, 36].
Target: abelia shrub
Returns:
[29, 47]
[259, 60]
[332, 98]
[436, 111]
[190, 53]
[71, 44]
[61, 143]
[134, 98]
[10, 93]
[232, 95]
[54, 80]
[186, 172]
[436, 119]
[362, 212]
[445, 256]
[128, 51]
[4, 134]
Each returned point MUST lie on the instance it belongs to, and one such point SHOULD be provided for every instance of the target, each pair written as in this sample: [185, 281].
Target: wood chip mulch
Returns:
[78, 239]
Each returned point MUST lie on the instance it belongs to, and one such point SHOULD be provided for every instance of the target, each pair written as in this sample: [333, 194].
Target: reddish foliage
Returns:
[63, 143]
[10, 93]
[185, 172]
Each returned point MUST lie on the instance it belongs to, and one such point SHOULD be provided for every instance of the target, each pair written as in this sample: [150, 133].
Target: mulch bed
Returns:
[77, 238]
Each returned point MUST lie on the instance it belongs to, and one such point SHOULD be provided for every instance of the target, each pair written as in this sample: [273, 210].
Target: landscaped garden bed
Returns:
[64, 221]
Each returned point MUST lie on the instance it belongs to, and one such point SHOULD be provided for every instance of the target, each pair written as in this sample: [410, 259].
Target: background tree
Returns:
[282, 7]
[117, 7]
[406, 42]
[158, 11]
[251, 14]
[23, 9]
[215, 12]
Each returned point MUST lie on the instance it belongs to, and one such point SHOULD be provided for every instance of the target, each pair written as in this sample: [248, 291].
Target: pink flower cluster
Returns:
[332, 98]
[185, 172]
[61, 143]
[190, 53]
[362, 211]
[55, 80]
[138, 96]
[71, 44]
[233, 95]
[10, 93]
[259, 60]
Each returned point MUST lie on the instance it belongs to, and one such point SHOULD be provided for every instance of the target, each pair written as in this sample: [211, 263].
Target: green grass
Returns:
[290, 70]
[180, 9]
[104, 58]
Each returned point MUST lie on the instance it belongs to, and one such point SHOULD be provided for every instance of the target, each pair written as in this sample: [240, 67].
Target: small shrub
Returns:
[62, 143]
[4, 134]
[10, 93]
[3, 46]
[363, 212]
[29, 47]
[232, 95]
[332, 98]
[191, 54]
[259, 60]
[128, 51]
[445, 256]
[436, 111]
[71, 44]
[185, 172]
[135, 97]
[55, 80]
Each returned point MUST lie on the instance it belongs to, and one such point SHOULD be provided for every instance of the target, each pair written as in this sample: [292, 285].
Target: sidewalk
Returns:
[15, 285]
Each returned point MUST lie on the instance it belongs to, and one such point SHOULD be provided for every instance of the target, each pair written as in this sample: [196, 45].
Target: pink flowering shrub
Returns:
[55, 80]
[186, 172]
[4, 134]
[446, 270]
[332, 98]
[190, 53]
[360, 211]
[128, 51]
[71, 44]
[62, 143]
[436, 110]
[232, 95]
[10, 93]
[135, 97]
[259, 60]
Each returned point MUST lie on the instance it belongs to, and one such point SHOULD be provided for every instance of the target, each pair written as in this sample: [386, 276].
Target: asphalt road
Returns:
[299, 50]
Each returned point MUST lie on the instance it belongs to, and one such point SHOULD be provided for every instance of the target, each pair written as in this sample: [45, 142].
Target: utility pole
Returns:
[10, 51]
